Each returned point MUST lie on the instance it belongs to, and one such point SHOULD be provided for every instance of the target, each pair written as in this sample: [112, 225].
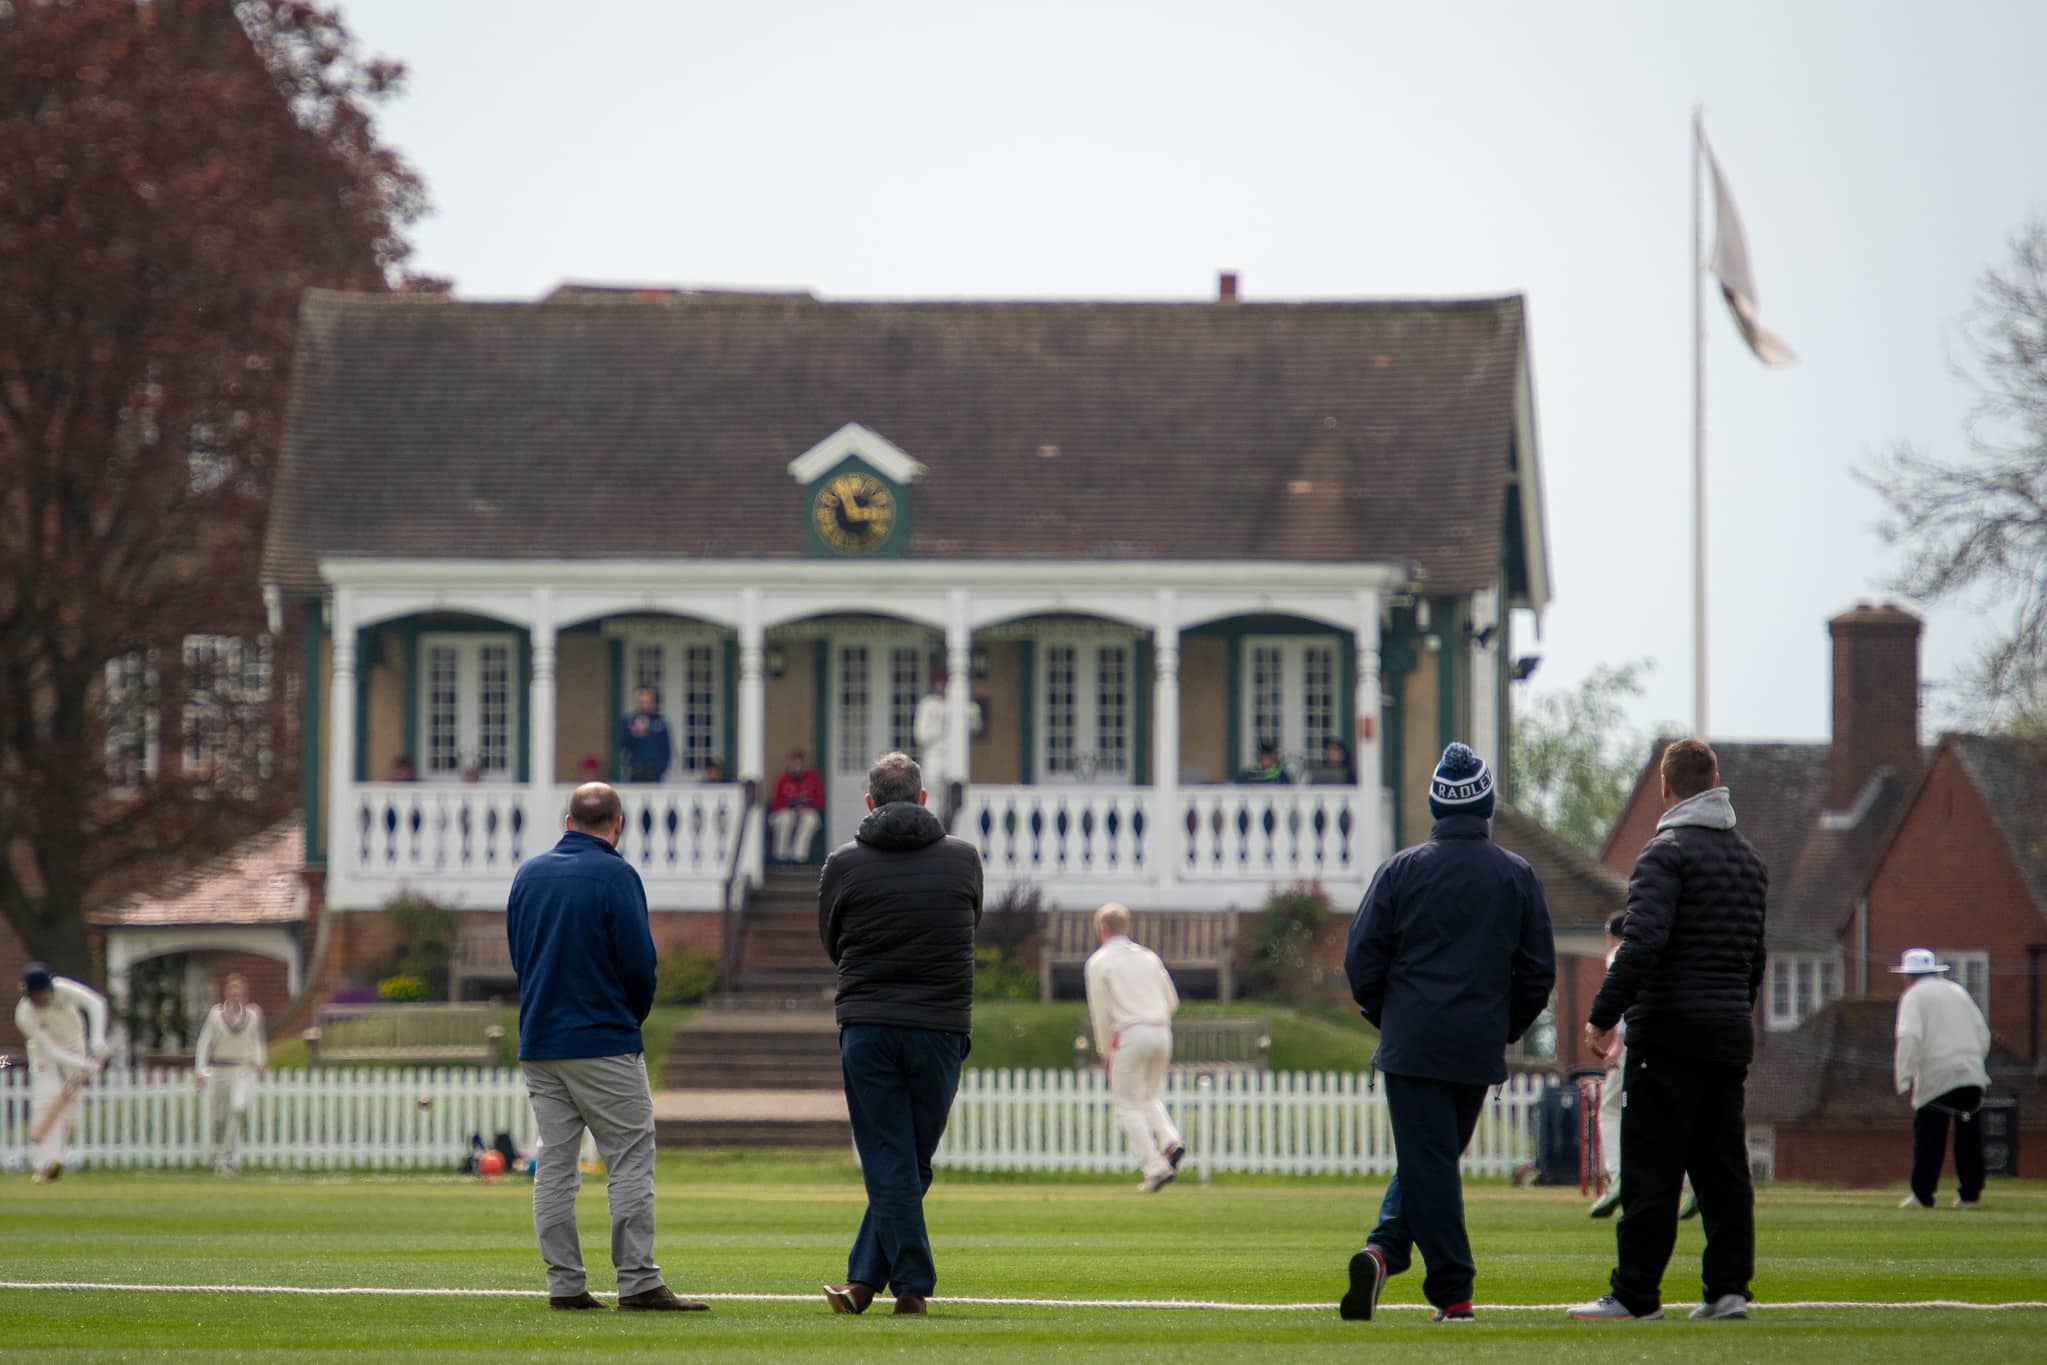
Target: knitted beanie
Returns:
[1463, 785]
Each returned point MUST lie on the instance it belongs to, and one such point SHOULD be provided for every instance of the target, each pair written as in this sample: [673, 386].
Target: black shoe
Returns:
[1177, 1155]
[1367, 1278]
[573, 1302]
[659, 1299]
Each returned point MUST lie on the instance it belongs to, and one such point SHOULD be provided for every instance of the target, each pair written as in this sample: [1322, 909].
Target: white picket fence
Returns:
[1281, 1123]
[329, 1119]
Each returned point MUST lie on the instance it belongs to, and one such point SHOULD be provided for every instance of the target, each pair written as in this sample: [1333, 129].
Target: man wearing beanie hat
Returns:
[65, 1024]
[1450, 955]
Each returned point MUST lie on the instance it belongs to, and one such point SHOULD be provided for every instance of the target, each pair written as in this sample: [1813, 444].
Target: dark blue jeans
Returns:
[900, 1084]
[1424, 1206]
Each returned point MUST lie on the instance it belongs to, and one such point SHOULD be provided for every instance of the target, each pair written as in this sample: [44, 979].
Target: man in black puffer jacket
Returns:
[1686, 975]
[897, 909]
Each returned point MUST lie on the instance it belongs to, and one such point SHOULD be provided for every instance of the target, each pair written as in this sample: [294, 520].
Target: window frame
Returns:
[1088, 729]
[1960, 962]
[1299, 750]
[1797, 986]
[675, 643]
[469, 647]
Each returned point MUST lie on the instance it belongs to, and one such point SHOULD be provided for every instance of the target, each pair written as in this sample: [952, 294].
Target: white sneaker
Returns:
[1911, 1201]
[1962, 1203]
[1607, 1308]
[1726, 1308]
[1152, 1184]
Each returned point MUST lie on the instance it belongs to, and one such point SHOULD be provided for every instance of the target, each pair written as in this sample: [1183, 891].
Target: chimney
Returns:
[1226, 287]
[1876, 697]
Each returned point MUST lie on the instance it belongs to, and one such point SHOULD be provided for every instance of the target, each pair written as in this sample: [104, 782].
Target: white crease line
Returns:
[1210, 1305]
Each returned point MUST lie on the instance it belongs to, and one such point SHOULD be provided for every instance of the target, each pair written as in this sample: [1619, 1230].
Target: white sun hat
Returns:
[1918, 962]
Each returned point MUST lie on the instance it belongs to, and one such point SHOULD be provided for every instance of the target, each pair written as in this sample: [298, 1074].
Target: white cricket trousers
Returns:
[45, 1085]
[793, 828]
[227, 1103]
[1137, 1073]
[1610, 1116]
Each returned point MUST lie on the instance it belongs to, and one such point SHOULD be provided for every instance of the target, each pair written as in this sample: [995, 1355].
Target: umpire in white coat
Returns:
[1942, 1041]
[1131, 1003]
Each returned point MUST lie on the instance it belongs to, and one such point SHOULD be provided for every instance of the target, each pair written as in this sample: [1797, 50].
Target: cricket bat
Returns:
[72, 1085]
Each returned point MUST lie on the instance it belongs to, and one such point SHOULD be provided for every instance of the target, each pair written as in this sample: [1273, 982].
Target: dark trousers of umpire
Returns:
[900, 1084]
[1929, 1143]
[1424, 1205]
[1681, 1115]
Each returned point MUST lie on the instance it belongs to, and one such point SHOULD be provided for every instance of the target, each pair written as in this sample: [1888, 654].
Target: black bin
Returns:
[1557, 1135]
[2000, 1119]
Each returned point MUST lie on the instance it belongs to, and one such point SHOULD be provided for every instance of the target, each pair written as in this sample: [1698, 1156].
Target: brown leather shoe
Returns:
[572, 1302]
[850, 1297]
[659, 1299]
[911, 1306]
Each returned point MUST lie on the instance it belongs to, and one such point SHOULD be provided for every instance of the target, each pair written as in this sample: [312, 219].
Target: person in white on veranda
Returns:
[65, 1025]
[1131, 1002]
[231, 1054]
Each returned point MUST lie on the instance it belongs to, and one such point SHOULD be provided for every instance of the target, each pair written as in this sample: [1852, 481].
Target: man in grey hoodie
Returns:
[1685, 977]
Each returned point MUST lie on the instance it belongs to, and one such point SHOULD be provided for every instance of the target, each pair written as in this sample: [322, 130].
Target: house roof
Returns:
[1581, 891]
[2010, 774]
[255, 882]
[601, 424]
[1836, 1066]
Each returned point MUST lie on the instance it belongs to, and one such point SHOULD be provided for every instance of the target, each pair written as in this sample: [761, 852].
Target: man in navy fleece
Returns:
[577, 922]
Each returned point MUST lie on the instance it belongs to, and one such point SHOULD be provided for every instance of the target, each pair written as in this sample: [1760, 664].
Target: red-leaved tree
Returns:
[172, 175]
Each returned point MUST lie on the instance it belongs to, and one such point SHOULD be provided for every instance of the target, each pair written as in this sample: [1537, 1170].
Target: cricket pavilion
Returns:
[1140, 540]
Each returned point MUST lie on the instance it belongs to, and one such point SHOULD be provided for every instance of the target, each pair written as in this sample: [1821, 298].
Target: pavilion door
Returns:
[876, 681]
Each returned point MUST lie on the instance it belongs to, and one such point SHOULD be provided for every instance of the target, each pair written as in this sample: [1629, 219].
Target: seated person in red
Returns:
[796, 809]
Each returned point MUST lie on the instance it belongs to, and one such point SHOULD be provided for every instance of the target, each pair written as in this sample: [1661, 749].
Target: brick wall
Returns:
[1578, 978]
[1947, 883]
[269, 980]
[13, 957]
[1881, 1154]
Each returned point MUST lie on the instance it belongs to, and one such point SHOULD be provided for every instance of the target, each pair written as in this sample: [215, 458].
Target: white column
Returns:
[1375, 845]
[1483, 668]
[1168, 833]
[753, 694]
[541, 705]
[959, 689]
[343, 835]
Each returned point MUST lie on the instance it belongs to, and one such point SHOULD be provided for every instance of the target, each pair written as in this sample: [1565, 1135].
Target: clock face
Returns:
[853, 513]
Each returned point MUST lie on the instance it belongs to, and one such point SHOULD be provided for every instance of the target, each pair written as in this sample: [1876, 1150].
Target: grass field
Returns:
[746, 1224]
[1026, 1033]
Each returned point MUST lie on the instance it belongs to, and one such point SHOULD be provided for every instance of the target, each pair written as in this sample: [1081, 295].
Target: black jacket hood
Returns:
[900, 824]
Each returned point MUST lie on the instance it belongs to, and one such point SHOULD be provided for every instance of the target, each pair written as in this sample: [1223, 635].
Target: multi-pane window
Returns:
[1085, 711]
[225, 720]
[688, 685]
[906, 686]
[130, 701]
[855, 713]
[1799, 985]
[469, 707]
[1291, 698]
[1970, 969]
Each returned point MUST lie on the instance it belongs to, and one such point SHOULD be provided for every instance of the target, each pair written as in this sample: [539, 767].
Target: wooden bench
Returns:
[482, 956]
[1199, 1045]
[404, 1033]
[1194, 941]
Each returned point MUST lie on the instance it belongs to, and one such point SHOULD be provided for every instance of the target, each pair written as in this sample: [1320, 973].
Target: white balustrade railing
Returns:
[327, 1119]
[1274, 833]
[462, 843]
[1292, 1123]
[1054, 831]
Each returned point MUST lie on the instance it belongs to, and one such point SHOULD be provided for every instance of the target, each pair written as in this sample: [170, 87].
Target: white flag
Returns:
[1730, 266]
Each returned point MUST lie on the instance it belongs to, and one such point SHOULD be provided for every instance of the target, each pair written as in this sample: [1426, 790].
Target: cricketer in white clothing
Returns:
[1131, 1001]
[65, 1023]
[231, 1054]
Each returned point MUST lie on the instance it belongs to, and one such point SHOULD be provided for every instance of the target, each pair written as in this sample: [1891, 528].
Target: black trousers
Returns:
[1929, 1143]
[1683, 1116]
[1424, 1206]
[900, 1084]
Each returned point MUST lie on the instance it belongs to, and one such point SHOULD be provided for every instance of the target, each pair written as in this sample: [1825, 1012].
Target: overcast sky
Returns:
[1882, 154]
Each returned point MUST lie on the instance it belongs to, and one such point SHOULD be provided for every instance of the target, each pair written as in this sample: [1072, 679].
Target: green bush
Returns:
[404, 990]
[685, 976]
[425, 932]
[998, 976]
[1285, 944]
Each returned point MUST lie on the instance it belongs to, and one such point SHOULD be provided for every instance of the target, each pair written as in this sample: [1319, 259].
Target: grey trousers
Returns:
[608, 1096]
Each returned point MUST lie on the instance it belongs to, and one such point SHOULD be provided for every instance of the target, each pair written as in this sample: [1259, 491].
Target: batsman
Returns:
[65, 1023]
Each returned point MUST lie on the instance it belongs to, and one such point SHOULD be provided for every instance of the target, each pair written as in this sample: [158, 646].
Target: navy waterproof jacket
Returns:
[1451, 955]
[577, 922]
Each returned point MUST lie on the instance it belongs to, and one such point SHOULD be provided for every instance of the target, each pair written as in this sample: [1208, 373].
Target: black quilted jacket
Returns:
[1691, 956]
[897, 909]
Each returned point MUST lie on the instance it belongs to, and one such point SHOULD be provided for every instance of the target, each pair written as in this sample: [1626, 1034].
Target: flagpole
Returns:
[1698, 431]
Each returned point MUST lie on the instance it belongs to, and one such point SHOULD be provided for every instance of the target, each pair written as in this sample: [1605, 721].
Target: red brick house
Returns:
[1875, 845]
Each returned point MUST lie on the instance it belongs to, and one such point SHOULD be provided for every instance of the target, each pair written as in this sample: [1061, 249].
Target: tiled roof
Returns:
[1812, 900]
[2010, 774]
[1836, 1067]
[255, 882]
[606, 425]
[1581, 891]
